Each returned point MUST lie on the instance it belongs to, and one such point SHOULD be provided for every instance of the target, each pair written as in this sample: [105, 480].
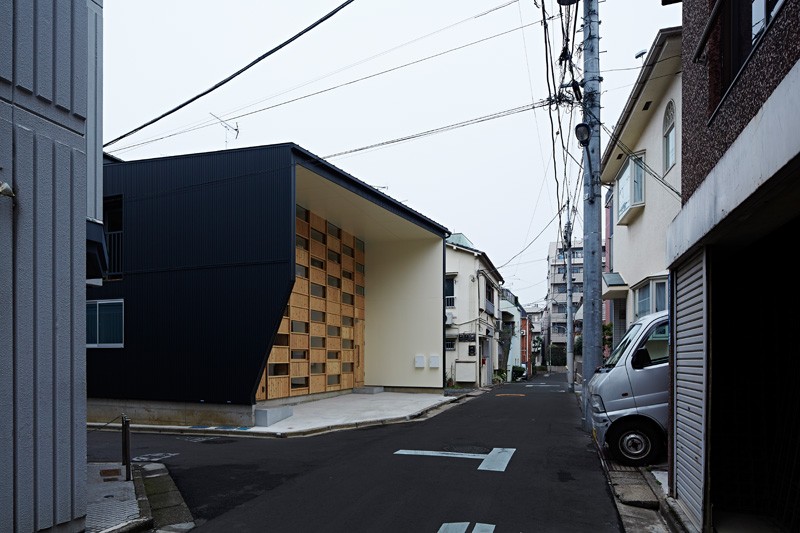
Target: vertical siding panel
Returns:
[62, 397]
[9, 321]
[24, 331]
[23, 46]
[94, 122]
[6, 41]
[80, 54]
[43, 240]
[63, 61]
[45, 49]
[77, 355]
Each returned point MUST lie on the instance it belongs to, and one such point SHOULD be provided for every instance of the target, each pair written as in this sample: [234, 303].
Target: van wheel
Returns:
[634, 443]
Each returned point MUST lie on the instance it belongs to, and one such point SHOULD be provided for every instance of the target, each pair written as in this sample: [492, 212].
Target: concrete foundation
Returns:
[169, 413]
[265, 417]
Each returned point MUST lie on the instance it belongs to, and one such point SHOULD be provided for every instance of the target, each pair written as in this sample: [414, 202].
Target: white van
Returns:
[629, 394]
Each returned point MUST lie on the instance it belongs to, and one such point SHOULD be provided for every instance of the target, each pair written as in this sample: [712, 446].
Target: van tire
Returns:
[635, 443]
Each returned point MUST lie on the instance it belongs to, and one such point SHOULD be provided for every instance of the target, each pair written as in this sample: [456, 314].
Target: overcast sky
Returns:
[447, 62]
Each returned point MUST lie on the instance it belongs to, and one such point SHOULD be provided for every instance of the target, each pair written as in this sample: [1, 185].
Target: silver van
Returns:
[629, 394]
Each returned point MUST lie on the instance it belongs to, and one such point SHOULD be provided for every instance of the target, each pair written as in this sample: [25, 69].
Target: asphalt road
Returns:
[513, 459]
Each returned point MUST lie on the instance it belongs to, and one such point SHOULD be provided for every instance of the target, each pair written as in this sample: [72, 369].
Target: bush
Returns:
[517, 372]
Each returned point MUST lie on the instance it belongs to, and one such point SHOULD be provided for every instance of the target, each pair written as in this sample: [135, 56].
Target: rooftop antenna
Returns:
[227, 127]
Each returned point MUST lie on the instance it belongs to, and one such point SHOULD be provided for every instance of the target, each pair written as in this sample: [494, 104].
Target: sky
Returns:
[374, 73]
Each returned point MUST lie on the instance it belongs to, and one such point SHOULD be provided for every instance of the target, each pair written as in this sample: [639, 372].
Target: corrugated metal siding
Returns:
[43, 95]
[690, 384]
[208, 248]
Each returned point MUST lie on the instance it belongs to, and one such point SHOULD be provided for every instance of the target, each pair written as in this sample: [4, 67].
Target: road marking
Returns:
[494, 461]
[509, 395]
[461, 527]
[153, 457]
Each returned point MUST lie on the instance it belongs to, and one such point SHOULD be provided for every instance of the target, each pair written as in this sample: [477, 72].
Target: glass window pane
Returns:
[643, 297]
[91, 323]
[638, 182]
[661, 296]
[109, 323]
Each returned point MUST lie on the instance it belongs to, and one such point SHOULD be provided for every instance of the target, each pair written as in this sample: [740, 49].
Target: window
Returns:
[333, 354]
[669, 136]
[318, 236]
[334, 231]
[349, 252]
[105, 323]
[317, 342]
[333, 379]
[347, 321]
[302, 212]
[347, 344]
[360, 290]
[334, 331]
[348, 299]
[347, 368]
[489, 292]
[359, 245]
[301, 271]
[450, 345]
[450, 291]
[317, 290]
[643, 301]
[333, 281]
[360, 268]
[300, 383]
[334, 256]
[299, 354]
[299, 327]
[301, 242]
[317, 316]
[346, 274]
[112, 222]
[278, 369]
[745, 24]
[661, 296]
[317, 368]
[317, 263]
[282, 339]
[651, 297]
[577, 253]
[630, 188]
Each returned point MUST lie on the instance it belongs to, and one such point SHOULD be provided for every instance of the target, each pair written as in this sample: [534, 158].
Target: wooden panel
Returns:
[348, 263]
[317, 304]
[284, 327]
[334, 269]
[301, 227]
[299, 300]
[359, 302]
[334, 320]
[317, 222]
[347, 381]
[333, 244]
[279, 354]
[319, 250]
[299, 313]
[334, 367]
[278, 387]
[347, 310]
[318, 355]
[261, 393]
[299, 369]
[300, 286]
[318, 276]
[348, 239]
[334, 343]
[348, 286]
[334, 295]
[360, 313]
[299, 341]
[359, 278]
[348, 356]
[360, 256]
[299, 392]
[317, 384]
[347, 333]
[334, 387]
[301, 256]
[317, 329]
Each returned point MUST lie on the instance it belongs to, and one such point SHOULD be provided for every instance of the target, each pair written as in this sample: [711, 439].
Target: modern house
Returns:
[52, 241]
[535, 314]
[512, 334]
[642, 166]
[472, 305]
[735, 439]
[258, 276]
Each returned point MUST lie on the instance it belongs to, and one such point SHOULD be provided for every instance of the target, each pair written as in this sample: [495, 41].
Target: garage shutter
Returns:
[690, 386]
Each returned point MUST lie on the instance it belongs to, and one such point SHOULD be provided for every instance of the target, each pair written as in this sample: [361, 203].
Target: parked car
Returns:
[629, 394]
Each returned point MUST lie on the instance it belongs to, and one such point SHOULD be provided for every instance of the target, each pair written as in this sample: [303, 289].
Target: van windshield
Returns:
[613, 359]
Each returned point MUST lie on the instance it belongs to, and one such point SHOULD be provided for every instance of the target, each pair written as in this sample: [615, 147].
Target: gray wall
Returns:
[44, 105]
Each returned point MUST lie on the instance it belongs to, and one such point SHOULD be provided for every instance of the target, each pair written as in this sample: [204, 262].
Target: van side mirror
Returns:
[640, 359]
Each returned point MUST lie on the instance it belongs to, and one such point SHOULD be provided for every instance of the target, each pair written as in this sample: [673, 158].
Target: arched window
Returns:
[669, 136]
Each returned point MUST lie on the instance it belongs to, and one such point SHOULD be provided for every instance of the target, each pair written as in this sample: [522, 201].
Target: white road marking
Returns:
[153, 457]
[495, 461]
[461, 527]
[483, 528]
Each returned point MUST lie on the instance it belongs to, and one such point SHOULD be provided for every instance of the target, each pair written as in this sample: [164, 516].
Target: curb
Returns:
[673, 517]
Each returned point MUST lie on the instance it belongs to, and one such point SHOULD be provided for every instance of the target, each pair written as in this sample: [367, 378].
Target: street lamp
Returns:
[582, 133]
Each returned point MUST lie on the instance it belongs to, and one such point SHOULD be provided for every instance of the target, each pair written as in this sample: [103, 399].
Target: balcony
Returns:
[114, 243]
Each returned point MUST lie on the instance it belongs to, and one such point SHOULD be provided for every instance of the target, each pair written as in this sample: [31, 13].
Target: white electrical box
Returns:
[419, 361]
[433, 361]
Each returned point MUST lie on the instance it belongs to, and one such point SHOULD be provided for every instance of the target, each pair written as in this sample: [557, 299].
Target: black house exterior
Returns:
[201, 269]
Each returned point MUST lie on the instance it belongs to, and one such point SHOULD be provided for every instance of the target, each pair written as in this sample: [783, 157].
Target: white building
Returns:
[472, 307]
[511, 317]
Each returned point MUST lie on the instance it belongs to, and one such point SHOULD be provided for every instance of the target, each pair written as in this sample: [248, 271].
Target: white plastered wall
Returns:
[404, 313]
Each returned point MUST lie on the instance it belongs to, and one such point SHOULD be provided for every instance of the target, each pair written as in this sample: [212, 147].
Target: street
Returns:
[513, 459]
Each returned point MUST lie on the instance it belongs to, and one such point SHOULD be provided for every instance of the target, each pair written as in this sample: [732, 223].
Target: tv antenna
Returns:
[227, 127]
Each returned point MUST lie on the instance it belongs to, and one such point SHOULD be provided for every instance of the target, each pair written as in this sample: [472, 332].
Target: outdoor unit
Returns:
[449, 319]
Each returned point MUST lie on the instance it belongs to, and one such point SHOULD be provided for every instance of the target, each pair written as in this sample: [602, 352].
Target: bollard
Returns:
[126, 446]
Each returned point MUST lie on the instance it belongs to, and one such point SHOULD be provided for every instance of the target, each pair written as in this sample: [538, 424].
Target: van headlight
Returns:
[597, 403]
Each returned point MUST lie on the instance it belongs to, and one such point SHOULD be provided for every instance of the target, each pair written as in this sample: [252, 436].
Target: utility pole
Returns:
[570, 322]
[592, 261]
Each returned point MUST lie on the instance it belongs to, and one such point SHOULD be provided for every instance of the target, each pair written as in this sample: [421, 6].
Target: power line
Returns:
[235, 74]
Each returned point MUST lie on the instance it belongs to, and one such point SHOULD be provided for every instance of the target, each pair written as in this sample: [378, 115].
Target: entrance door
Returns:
[359, 342]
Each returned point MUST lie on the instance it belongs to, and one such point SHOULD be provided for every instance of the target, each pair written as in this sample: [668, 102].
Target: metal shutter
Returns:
[689, 407]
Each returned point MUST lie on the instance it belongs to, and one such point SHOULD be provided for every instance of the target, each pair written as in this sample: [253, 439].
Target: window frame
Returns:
[625, 185]
[97, 304]
[669, 136]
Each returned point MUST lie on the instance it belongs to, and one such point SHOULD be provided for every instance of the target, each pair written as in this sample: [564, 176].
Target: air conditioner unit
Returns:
[449, 319]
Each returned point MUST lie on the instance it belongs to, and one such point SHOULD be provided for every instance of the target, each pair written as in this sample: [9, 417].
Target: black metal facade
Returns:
[207, 270]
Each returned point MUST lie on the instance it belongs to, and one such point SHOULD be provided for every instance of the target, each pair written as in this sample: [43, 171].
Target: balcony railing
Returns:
[114, 243]
[449, 301]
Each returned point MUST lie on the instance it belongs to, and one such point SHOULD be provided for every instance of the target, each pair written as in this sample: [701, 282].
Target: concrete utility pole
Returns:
[592, 259]
[570, 322]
